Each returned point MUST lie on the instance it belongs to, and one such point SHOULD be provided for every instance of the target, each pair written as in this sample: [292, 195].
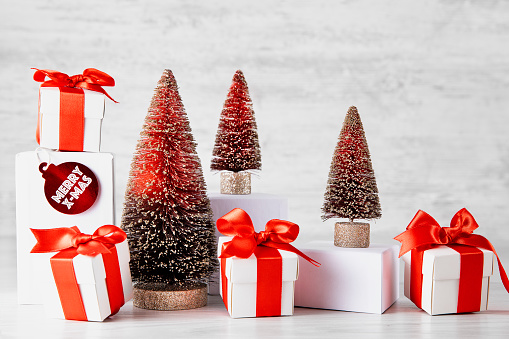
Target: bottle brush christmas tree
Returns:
[236, 150]
[167, 215]
[351, 188]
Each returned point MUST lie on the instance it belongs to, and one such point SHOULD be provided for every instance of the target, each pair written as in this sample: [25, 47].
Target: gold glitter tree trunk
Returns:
[351, 234]
[235, 182]
[165, 297]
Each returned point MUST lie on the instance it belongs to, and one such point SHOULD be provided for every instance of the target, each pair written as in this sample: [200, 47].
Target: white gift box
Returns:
[91, 278]
[34, 211]
[260, 207]
[441, 277]
[242, 283]
[349, 279]
[49, 119]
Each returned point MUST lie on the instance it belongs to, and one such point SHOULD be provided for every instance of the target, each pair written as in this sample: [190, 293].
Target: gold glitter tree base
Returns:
[351, 234]
[164, 297]
[238, 183]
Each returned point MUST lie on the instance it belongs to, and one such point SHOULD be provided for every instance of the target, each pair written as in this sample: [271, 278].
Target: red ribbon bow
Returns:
[278, 234]
[424, 232]
[58, 239]
[91, 79]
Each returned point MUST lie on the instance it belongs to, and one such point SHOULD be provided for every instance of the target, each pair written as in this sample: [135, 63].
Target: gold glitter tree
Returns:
[167, 215]
[351, 188]
[236, 149]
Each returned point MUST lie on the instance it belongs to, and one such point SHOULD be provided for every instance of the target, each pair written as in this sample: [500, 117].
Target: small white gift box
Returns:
[243, 285]
[441, 275]
[54, 132]
[95, 298]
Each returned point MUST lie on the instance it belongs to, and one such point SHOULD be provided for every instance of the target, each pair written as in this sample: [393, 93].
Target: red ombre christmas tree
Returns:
[351, 188]
[237, 149]
[167, 215]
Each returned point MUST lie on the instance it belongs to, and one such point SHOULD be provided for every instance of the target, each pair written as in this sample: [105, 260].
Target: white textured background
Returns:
[430, 80]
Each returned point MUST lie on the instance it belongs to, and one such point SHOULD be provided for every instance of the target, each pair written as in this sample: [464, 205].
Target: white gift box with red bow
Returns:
[91, 275]
[441, 274]
[50, 126]
[240, 289]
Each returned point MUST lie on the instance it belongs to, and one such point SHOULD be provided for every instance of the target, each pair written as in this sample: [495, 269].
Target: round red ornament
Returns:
[70, 188]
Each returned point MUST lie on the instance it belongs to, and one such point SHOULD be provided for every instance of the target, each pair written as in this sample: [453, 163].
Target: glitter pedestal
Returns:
[235, 182]
[351, 234]
[164, 297]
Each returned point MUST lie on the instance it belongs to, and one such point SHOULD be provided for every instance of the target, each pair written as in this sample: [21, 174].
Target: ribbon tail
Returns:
[290, 248]
[53, 240]
[96, 88]
[503, 275]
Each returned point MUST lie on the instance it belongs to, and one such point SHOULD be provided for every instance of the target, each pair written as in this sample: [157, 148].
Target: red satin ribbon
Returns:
[471, 274]
[269, 281]
[91, 79]
[72, 102]
[70, 242]
[424, 232]
[278, 234]
[58, 239]
[71, 129]
[264, 245]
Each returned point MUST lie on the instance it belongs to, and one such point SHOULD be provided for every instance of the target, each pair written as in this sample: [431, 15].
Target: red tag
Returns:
[70, 188]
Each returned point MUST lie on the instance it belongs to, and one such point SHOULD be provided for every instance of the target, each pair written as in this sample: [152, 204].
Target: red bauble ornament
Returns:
[70, 188]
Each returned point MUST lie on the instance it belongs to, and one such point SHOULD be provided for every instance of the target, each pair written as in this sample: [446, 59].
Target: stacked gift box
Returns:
[68, 182]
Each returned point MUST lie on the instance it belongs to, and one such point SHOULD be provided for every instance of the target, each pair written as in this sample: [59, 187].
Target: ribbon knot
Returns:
[448, 235]
[261, 237]
[62, 238]
[80, 238]
[92, 79]
[278, 234]
[75, 79]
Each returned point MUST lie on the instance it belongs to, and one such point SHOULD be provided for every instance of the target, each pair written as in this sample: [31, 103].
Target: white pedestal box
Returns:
[34, 211]
[349, 279]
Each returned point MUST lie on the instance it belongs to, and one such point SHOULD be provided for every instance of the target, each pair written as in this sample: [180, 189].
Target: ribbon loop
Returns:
[92, 79]
[59, 239]
[278, 234]
[424, 232]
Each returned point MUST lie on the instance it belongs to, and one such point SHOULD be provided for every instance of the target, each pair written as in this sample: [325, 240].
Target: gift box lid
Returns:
[245, 270]
[49, 103]
[444, 262]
